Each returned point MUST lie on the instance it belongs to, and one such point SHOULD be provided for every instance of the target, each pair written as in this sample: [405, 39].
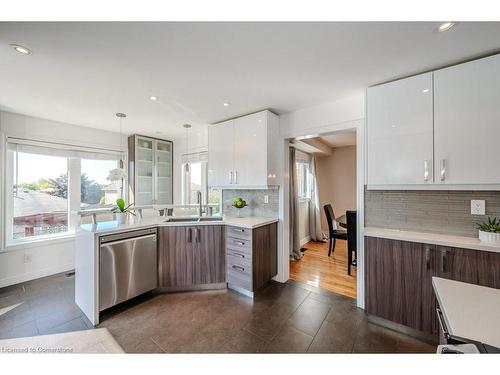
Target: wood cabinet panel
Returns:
[264, 254]
[399, 278]
[175, 259]
[209, 256]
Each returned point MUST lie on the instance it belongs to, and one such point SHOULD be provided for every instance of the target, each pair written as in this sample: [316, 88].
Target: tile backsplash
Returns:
[428, 211]
[255, 202]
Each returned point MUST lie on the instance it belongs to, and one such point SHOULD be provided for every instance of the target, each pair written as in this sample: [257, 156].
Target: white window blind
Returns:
[62, 150]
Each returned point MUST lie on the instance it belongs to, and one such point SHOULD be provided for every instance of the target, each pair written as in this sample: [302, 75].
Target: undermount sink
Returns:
[192, 219]
[181, 219]
[211, 218]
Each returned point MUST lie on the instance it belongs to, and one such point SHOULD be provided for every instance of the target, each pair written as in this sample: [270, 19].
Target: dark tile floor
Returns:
[283, 318]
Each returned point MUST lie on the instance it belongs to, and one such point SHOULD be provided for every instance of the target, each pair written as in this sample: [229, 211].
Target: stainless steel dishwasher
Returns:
[128, 264]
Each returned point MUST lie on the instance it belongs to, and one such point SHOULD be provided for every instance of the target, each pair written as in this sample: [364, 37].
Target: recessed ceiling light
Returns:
[226, 104]
[425, 90]
[153, 98]
[445, 26]
[21, 49]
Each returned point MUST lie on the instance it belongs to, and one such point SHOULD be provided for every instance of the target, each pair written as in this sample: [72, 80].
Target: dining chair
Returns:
[334, 234]
[351, 239]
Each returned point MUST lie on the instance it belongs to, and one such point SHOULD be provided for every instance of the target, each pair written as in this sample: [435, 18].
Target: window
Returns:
[40, 195]
[41, 190]
[303, 180]
[96, 189]
[194, 178]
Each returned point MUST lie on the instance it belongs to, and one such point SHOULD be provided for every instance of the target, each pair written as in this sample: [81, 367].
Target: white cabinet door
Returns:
[400, 132]
[250, 152]
[467, 122]
[221, 154]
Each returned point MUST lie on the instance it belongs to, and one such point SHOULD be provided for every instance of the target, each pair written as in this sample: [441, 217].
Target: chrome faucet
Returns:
[200, 208]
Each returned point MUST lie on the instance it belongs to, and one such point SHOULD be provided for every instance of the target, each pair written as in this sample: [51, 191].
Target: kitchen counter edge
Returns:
[431, 239]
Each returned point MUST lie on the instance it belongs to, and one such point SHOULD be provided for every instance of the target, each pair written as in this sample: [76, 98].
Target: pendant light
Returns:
[119, 174]
[187, 127]
[121, 116]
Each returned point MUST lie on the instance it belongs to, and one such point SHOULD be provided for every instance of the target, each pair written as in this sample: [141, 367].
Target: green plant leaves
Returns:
[490, 225]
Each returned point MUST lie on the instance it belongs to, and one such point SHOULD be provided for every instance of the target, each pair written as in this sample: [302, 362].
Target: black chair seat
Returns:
[334, 234]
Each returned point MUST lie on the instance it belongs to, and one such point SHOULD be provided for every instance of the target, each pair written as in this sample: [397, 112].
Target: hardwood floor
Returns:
[316, 268]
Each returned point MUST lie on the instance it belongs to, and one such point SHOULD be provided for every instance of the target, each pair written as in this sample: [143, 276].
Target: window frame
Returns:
[185, 191]
[304, 194]
[8, 243]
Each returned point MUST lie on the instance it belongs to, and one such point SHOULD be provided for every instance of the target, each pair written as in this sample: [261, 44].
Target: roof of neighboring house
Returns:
[29, 202]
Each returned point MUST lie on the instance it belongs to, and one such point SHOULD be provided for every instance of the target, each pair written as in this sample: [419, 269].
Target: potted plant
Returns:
[121, 211]
[239, 203]
[489, 231]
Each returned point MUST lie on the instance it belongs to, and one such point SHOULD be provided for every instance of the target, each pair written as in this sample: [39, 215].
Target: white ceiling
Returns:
[339, 139]
[82, 73]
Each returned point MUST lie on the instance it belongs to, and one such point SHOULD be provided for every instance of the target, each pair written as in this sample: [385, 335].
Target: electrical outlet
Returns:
[28, 258]
[266, 198]
[477, 207]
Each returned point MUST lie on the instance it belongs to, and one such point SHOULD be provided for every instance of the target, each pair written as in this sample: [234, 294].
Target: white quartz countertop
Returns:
[134, 223]
[432, 239]
[469, 311]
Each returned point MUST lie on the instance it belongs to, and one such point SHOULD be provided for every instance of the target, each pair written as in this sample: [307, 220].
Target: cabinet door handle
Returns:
[235, 177]
[231, 177]
[443, 169]
[426, 170]
[190, 235]
[444, 261]
[428, 257]
[198, 235]
[238, 268]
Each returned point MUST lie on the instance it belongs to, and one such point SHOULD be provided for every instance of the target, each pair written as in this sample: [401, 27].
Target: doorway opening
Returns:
[323, 211]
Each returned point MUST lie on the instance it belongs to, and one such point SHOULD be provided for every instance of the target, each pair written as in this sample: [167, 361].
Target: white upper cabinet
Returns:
[250, 158]
[400, 132]
[221, 154]
[241, 153]
[467, 122]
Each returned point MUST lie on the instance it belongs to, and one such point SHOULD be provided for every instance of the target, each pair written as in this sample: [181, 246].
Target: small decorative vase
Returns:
[239, 212]
[121, 218]
[488, 237]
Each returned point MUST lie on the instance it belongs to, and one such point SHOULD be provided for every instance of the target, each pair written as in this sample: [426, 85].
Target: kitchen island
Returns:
[188, 254]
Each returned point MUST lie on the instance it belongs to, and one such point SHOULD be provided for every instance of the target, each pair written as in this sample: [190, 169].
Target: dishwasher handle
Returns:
[126, 235]
[153, 236]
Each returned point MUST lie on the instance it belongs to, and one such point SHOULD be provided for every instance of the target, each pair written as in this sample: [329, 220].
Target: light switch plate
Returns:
[477, 207]
[266, 198]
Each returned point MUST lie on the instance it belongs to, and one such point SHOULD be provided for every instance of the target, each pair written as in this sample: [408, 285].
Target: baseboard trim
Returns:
[430, 339]
[305, 240]
[35, 275]
[188, 288]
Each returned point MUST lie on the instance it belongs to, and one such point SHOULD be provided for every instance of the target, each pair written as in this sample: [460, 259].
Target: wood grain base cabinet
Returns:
[191, 256]
[398, 279]
[252, 256]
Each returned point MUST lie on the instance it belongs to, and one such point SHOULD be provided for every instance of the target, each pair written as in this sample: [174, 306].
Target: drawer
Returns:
[239, 244]
[238, 257]
[239, 279]
[237, 232]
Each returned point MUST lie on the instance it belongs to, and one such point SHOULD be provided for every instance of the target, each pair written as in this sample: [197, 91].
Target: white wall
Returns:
[51, 256]
[337, 181]
[321, 118]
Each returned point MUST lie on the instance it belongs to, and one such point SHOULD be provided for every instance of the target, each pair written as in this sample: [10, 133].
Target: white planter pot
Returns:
[121, 218]
[489, 237]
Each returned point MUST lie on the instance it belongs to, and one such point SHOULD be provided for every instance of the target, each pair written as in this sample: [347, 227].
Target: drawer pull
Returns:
[238, 268]
[240, 243]
[239, 230]
[238, 254]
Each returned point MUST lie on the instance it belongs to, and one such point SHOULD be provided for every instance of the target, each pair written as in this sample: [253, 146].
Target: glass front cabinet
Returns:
[150, 171]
